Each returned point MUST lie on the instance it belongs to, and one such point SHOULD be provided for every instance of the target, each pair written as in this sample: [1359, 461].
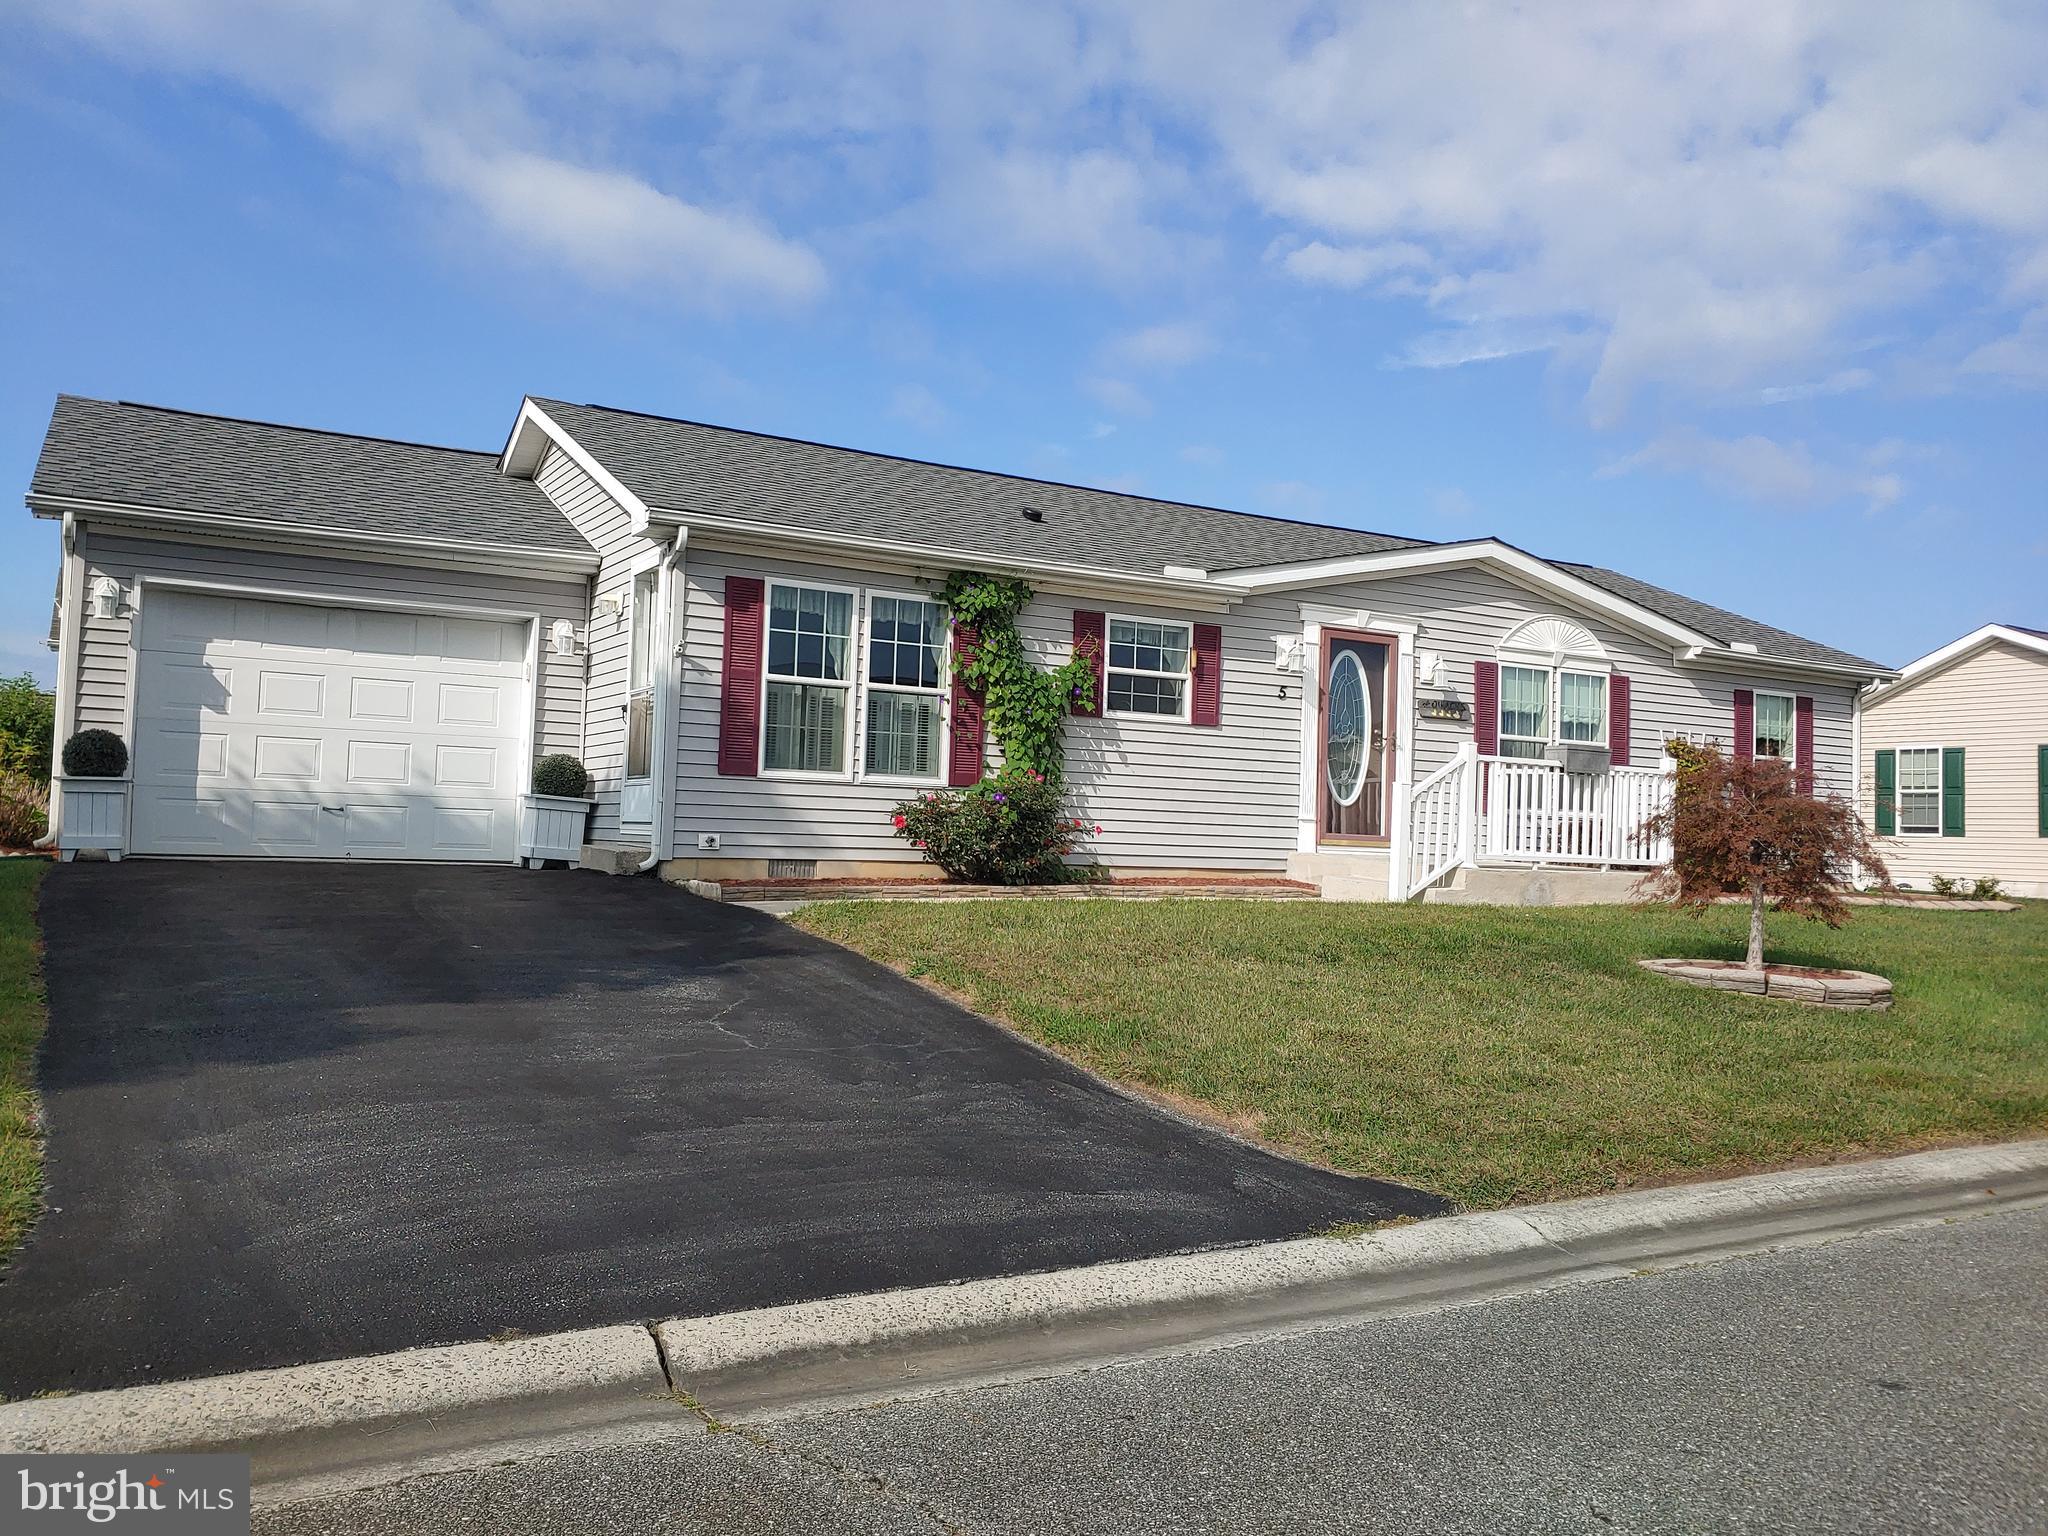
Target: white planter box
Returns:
[551, 827]
[93, 815]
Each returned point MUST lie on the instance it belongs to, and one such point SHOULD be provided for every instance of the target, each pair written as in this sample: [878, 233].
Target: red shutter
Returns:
[1802, 753]
[1090, 629]
[739, 683]
[1617, 721]
[1745, 725]
[1486, 706]
[964, 755]
[1208, 660]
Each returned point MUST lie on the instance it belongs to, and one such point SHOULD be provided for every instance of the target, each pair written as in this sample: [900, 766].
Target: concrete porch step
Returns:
[1533, 885]
[612, 858]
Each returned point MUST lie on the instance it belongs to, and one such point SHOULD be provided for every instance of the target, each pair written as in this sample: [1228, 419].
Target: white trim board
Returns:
[333, 543]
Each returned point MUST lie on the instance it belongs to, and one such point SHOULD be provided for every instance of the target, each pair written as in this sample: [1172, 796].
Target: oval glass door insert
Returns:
[1344, 746]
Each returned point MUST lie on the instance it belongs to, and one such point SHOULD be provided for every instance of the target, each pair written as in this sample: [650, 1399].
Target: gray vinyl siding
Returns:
[105, 655]
[609, 529]
[1464, 614]
[1169, 795]
[1166, 794]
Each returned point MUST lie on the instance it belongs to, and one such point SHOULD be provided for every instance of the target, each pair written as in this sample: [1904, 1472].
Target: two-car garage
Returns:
[297, 729]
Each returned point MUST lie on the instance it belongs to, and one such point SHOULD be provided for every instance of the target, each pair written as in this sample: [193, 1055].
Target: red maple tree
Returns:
[1744, 825]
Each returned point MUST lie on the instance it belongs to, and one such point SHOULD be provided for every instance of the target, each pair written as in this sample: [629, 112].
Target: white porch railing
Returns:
[1441, 822]
[1535, 812]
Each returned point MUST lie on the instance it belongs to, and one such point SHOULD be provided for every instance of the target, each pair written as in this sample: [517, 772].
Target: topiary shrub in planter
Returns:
[95, 754]
[1011, 829]
[559, 773]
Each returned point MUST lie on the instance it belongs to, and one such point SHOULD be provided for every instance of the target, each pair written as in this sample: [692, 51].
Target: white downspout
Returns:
[1858, 875]
[70, 603]
[661, 842]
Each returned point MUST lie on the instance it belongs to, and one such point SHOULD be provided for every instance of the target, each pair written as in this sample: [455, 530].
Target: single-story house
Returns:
[320, 645]
[1955, 762]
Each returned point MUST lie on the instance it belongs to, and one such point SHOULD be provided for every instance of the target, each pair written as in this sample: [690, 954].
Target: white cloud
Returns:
[2020, 358]
[1206, 454]
[917, 405]
[1174, 344]
[620, 232]
[1704, 201]
[1352, 266]
[1839, 383]
[1118, 395]
[1763, 469]
[451, 101]
[1475, 344]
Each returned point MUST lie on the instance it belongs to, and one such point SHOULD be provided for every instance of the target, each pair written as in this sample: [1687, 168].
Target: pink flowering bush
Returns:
[1013, 828]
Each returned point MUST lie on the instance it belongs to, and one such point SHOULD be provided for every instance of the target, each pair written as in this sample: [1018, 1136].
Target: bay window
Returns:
[1919, 787]
[906, 653]
[1773, 729]
[1147, 668]
[808, 680]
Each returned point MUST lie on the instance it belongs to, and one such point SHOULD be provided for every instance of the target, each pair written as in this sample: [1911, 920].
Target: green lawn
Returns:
[1501, 1055]
[21, 1026]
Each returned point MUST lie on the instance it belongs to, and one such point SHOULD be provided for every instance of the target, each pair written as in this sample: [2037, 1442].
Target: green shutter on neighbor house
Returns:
[2041, 785]
[1887, 793]
[1951, 791]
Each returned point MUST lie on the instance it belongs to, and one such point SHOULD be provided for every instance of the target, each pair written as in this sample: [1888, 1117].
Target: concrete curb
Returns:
[388, 1409]
[360, 1396]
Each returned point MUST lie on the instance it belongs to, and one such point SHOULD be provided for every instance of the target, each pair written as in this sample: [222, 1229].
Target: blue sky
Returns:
[1750, 303]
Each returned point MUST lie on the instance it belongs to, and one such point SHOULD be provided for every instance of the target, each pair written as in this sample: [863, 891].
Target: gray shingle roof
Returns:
[686, 466]
[182, 461]
[1728, 628]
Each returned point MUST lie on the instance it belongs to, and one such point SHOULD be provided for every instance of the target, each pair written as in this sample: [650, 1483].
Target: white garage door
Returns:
[296, 730]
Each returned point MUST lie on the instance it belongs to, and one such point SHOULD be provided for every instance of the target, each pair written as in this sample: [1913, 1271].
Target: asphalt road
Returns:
[1889, 1383]
[310, 1111]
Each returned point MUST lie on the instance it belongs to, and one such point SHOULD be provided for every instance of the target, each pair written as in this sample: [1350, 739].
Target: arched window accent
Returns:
[1553, 689]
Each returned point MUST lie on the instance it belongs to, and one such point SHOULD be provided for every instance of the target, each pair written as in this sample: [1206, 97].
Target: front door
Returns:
[1354, 781]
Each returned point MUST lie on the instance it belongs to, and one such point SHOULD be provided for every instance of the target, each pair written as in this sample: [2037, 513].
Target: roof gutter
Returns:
[565, 560]
[780, 538]
[1728, 656]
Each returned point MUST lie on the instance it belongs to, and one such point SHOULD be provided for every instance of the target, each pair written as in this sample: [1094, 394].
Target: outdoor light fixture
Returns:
[563, 633]
[106, 598]
[607, 608]
[1288, 653]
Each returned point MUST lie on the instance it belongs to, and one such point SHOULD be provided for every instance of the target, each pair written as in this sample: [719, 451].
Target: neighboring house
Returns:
[1955, 762]
[329, 646]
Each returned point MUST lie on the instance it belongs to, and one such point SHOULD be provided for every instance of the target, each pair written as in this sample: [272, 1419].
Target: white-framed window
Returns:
[1919, 790]
[1524, 710]
[1146, 669]
[807, 681]
[904, 707]
[1544, 706]
[1776, 717]
[1582, 708]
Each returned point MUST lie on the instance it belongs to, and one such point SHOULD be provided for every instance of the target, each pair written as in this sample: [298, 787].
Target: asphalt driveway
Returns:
[302, 1111]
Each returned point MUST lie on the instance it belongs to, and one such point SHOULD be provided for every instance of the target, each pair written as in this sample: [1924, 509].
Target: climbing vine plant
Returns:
[1024, 706]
